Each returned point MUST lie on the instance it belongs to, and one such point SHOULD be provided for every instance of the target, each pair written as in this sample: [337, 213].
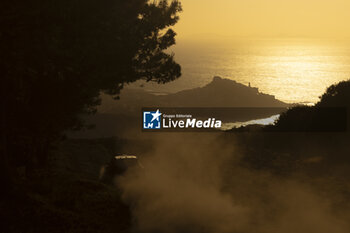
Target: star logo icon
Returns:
[156, 116]
[151, 119]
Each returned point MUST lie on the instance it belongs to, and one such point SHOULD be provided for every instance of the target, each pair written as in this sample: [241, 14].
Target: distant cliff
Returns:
[218, 93]
[223, 93]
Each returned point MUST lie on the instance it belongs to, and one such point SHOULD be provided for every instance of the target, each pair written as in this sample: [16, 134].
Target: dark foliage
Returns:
[330, 114]
[56, 57]
[305, 138]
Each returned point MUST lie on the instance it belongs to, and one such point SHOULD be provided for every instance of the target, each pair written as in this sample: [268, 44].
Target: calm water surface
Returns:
[294, 70]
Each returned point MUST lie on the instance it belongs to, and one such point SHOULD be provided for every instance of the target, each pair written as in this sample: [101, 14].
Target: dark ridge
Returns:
[218, 93]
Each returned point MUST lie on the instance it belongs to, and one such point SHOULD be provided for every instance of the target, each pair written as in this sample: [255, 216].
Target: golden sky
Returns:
[265, 18]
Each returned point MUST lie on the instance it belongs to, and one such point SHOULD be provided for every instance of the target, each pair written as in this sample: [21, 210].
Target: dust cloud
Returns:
[196, 183]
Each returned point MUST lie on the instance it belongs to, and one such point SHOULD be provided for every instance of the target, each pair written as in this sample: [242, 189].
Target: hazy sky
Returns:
[304, 18]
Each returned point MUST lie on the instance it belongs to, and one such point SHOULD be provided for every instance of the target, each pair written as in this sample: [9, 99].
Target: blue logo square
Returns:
[152, 120]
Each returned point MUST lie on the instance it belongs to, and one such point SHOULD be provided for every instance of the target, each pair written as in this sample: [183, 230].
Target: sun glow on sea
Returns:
[293, 70]
[300, 73]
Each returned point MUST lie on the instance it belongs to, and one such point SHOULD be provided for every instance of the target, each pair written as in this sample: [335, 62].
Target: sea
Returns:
[294, 70]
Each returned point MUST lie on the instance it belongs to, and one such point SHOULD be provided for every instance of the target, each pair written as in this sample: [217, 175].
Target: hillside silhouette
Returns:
[219, 92]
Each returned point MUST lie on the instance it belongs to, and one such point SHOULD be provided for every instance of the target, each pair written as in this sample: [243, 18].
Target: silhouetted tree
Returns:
[57, 56]
[329, 114]
[337, 95]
